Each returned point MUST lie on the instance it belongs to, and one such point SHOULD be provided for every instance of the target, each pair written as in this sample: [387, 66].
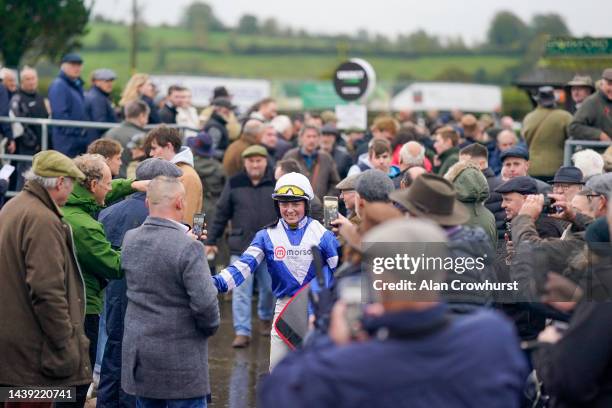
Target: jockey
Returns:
[286, 247]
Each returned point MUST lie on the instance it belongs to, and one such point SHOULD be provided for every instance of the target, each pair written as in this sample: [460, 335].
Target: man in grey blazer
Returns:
[172, 306]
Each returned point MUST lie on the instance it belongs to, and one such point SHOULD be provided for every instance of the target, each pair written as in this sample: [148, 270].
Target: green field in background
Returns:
[162, 56]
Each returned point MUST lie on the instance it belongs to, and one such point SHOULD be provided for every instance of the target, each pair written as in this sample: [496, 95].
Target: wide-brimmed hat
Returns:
[568, 175]
[431, 196]
[582, 80]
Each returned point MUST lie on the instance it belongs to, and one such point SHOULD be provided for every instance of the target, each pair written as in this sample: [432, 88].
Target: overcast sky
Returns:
[469, 18]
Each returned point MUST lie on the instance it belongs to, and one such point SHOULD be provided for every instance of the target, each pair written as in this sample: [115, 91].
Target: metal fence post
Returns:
[44, 145]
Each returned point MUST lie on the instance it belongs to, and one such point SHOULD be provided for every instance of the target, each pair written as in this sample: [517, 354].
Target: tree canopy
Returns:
[39, 28]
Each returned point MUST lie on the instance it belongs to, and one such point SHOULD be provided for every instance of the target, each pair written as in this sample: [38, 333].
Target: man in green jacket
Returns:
[593, 120]
[446, 141]
[97, 259]
[545, 131]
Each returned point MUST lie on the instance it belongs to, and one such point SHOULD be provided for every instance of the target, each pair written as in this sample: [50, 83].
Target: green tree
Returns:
[200, 15]
[270, 27]
[453, 74]
[248, 24]
[507, 31]
[551, 24]
[419, 41]
[107, 42]
[40, 27]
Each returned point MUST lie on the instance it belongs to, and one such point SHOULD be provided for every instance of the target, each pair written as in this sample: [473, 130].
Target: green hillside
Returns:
[175, 50]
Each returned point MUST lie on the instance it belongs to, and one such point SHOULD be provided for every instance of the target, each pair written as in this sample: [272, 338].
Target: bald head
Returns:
[166, 198]
[506, 139]
[411, 154]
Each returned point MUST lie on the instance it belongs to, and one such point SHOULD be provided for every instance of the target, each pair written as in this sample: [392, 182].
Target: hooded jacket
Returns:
[192, 183]
[43, 306]
[473, 190]
[98, 260]
[447, 159]
[212, 176]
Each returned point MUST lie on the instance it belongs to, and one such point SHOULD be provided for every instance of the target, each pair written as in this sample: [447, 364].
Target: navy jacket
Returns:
[428, 360]
[5, 128]
[153, 110]
[3, 189]
[117, 220]
[68, 103]
[99, 109]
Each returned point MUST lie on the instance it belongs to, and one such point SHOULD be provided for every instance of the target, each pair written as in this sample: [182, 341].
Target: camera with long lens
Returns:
[549, 206]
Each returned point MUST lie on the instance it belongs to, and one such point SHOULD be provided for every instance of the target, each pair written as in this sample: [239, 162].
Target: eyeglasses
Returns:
[563, 187]
[291, 190]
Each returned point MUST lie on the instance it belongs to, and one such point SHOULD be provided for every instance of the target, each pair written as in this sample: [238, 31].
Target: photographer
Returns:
[514, 194]
[368, 367]
[575, 364]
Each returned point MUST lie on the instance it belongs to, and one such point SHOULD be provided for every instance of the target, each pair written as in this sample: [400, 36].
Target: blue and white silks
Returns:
[288, 253]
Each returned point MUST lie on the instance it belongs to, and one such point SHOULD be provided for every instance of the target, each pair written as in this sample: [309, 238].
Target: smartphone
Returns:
[330, 210]
[198, 223]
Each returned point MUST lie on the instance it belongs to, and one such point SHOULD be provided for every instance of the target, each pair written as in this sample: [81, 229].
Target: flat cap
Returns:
[103, 74]
[330, 130]
[348, 183]
[515, 151]
[607, 74]
[72, 57]
[601, 184]
[254, 150]
[51, 163]
[568, 175]
[374, 185]
[522, 185]
[150, 168]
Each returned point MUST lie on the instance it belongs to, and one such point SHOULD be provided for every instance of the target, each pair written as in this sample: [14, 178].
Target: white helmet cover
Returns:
[293, 186]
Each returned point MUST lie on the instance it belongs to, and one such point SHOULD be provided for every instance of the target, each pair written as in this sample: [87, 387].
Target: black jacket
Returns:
[577, 370]
[343, 160]
[248, 207]
[167, 114]
[29, 105]
[216, 127]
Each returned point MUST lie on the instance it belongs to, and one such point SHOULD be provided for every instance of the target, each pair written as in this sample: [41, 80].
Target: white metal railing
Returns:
[46, 123]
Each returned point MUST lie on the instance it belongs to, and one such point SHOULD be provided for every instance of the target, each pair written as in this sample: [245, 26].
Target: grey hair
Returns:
[45, 182]
[92, 165]
[163, 189]
[281, 123]
[253, 127]
[589, 162]
[409, 159]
